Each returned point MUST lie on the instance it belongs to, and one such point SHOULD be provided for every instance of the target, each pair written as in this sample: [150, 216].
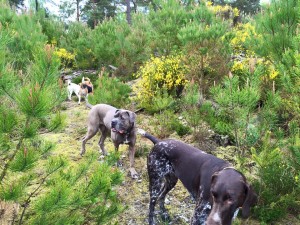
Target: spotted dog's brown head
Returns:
[229, 191]
[123, 121]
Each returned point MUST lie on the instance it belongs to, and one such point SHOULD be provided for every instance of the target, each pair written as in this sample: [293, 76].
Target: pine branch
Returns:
[7, 93]
[3, 174]
[27, 201]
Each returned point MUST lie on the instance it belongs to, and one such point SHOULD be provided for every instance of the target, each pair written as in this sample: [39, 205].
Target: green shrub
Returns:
[181, 129]
[78, 41]
[160, 102]
[277, 182]
[163, 123]
[111, 91]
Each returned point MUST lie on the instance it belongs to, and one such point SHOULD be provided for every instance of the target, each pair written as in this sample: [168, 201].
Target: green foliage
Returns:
[12, 190]
[57, 122]
[8, 120]
[26, 36]
[167, 21]
[35, 102]
[236, 104]
[80, 194]
[278, 25]
[165, 123]
[111, 91]
[110, 44]
[159, 103]
[274, 200]
[78, 42]
[24, 160]
[180, 128]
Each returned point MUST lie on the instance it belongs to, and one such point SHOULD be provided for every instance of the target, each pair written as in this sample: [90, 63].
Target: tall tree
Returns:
[68, 8]
[16, 3]
[128, 12]
[96, 11]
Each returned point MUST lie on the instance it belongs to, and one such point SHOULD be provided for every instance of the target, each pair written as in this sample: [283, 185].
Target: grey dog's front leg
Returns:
[132, 170]
[102, 139]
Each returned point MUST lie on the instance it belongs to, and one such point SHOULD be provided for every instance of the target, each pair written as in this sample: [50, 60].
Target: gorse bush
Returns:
[67, 59]
[158, 76]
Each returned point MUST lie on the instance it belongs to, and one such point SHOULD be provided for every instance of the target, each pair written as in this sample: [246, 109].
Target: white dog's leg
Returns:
[78, 93]
[79, 97]
[70, 94]
[87, 97]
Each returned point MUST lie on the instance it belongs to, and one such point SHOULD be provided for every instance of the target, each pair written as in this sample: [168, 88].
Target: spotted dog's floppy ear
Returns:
[213, 179]
[250, 200]
[132, 116]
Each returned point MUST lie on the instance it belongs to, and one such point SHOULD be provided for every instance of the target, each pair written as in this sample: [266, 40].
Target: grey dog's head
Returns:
[123, 121]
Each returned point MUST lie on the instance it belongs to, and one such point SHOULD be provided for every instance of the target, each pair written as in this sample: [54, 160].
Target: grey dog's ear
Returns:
[250, 200]
[132, 116]
[117, 112]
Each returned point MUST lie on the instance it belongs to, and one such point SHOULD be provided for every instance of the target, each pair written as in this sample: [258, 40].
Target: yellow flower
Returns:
[273, 74]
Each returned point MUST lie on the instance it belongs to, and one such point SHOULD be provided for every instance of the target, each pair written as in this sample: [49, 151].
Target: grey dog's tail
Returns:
[87, 104]
[146, 135]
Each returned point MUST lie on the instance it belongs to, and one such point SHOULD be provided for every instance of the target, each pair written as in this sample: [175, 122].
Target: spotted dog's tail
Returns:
[146, 135]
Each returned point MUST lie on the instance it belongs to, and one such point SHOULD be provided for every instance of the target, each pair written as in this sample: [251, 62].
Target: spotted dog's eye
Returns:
[227, 198]
[214, 194]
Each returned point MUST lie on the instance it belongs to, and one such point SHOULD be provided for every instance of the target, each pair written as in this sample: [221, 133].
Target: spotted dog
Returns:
[217, 188]
[119, 124]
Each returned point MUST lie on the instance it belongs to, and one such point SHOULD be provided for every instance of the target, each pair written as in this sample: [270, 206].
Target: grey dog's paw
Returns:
[119, 163]
[133, 173]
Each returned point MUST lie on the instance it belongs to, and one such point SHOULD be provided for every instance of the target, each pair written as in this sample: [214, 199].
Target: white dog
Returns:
[80, 92]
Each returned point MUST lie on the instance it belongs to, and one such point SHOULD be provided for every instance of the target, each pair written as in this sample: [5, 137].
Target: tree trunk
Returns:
[36, 5]
[128, 12]
[77, 10]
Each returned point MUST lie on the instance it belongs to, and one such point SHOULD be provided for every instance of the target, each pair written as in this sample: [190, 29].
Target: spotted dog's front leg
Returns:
[201, 212]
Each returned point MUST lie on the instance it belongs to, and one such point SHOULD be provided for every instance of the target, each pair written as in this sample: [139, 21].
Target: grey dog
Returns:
[118, 123]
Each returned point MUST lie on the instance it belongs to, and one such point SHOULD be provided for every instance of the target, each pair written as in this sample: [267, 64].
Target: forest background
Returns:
[231, 65]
